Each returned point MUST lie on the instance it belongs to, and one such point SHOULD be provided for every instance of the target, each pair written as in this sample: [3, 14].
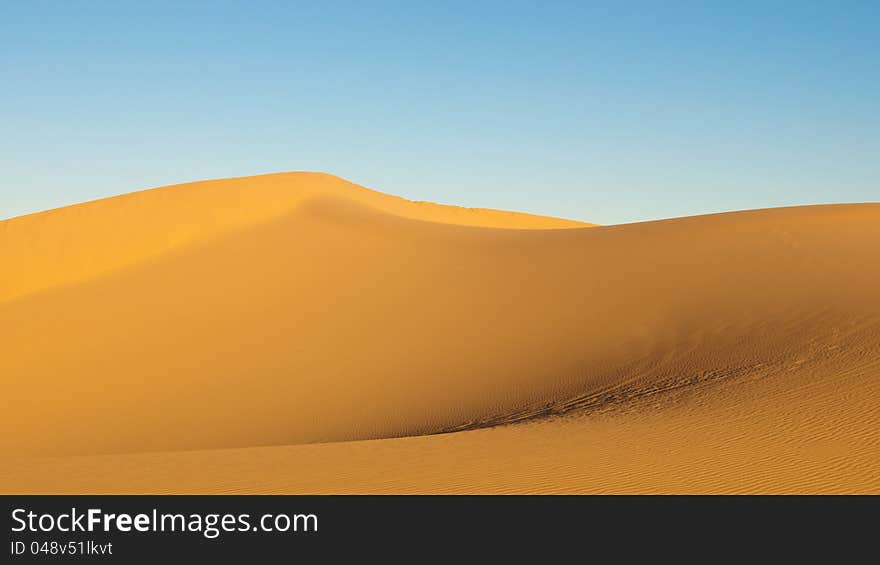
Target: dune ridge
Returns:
[84, 241]
[227, 330]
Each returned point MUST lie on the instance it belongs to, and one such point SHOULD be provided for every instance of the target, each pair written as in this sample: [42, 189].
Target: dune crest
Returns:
[81, 242]
[271, 312]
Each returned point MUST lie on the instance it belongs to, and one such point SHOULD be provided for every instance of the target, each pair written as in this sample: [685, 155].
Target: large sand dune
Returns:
[195, 338]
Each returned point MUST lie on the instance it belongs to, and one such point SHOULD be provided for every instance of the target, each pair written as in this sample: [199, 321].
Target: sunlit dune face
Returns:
[276, 311]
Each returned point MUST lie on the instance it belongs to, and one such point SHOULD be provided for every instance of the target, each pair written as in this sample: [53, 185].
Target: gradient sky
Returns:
[607, 112]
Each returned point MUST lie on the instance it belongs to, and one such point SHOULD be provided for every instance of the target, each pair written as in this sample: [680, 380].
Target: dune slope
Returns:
[241, 319]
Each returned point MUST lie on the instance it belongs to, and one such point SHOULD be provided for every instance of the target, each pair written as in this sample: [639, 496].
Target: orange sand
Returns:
[195, 338]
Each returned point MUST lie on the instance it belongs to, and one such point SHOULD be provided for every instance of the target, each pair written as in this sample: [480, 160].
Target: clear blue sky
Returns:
[608, 112]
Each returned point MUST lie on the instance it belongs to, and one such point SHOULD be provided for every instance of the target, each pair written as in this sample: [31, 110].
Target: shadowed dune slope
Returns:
[298, 308]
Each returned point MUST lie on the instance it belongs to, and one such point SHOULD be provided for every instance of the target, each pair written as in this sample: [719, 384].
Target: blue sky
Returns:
[608, 112]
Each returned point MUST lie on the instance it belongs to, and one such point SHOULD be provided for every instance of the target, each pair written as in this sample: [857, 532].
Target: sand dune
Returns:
[195, 338]
[73, 244]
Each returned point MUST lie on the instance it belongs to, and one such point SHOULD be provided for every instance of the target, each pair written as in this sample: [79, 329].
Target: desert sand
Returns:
[297, 333]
